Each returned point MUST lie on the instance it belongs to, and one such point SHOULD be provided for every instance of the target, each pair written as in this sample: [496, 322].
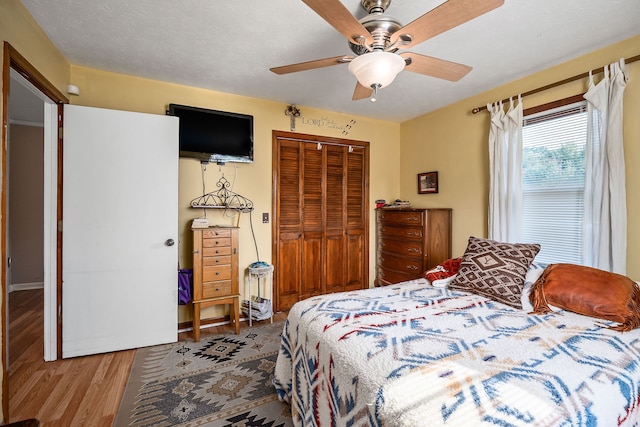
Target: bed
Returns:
[415, 355]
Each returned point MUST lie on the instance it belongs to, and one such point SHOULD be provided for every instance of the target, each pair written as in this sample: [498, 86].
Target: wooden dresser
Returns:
[410, 241]
[215, 272]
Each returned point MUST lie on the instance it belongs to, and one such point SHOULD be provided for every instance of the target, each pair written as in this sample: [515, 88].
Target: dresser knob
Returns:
[217, 273]
[217, 289]
[412, 267]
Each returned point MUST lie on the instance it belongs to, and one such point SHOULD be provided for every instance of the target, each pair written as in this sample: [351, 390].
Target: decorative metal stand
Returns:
[293, 112]
[223, 198]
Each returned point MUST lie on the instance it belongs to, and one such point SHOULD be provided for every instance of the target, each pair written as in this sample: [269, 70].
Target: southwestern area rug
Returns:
[222, 381]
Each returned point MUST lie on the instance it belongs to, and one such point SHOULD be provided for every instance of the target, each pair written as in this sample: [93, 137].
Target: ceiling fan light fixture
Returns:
[376, 68]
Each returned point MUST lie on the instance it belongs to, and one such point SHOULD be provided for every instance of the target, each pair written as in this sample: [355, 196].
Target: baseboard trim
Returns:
[25, 286]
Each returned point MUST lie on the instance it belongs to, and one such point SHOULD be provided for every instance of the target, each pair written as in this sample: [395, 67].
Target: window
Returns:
[553, 166]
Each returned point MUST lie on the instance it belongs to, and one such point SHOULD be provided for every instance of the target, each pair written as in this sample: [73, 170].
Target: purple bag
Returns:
[184, 286]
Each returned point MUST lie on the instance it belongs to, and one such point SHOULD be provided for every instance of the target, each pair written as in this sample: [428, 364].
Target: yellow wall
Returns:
[117, 91]
[19, 29]
[453, 141]
[450, 140]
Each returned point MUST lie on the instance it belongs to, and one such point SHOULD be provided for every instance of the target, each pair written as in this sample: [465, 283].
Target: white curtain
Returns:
[505, 163]
[605, 218]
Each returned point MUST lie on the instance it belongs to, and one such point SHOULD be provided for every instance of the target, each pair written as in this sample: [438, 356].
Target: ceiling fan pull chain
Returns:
[374, 95]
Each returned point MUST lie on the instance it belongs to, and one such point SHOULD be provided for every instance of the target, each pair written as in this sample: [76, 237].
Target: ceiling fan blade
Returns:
[310, 65]
[448, 15]
[435, 67]
[334, 12]
[361, 92]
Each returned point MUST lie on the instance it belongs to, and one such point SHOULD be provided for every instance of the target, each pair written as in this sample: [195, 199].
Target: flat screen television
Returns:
[214, 136]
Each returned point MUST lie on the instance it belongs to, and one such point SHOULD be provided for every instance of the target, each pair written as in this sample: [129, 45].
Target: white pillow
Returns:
[442, 283]
[533, 274]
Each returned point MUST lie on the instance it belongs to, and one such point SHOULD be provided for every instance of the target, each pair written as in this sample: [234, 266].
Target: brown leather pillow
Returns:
[588, 291]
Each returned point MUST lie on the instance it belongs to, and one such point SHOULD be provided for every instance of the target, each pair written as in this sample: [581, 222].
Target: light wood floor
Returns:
[83, 391]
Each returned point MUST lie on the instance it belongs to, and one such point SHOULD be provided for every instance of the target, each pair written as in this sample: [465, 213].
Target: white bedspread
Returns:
[413, 355]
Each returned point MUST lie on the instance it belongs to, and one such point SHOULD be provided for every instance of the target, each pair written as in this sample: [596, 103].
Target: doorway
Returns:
[33, 120]
[20, 74]
[25, 224]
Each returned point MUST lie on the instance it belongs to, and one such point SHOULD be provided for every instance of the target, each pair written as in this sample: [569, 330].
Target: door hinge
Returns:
[60, 226]
[8, 262]
[60, 132]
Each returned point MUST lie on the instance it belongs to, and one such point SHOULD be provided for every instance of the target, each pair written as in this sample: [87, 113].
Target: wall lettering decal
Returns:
[327, 123]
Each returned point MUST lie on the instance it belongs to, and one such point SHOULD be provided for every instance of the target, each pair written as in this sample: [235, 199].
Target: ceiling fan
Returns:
[376, 39]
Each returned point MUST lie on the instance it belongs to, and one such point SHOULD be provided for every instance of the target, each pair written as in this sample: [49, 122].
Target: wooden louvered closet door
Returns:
[321, 216]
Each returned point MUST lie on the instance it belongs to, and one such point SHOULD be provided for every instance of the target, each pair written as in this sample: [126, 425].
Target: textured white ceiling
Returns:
[230, 46]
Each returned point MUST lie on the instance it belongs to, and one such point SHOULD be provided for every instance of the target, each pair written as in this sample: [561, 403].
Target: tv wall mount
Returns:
[223, 198]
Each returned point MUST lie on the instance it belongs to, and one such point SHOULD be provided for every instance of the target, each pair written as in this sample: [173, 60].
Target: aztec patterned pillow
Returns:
[495, 270]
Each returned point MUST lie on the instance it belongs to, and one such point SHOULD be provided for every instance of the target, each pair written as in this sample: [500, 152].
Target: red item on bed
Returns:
[447, 269]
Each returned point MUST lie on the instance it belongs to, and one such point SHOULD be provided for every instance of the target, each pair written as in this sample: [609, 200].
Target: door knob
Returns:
[169, 242]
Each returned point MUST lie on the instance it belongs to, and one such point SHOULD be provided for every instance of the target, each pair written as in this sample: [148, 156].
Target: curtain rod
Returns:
[321, 142]
[560, 83]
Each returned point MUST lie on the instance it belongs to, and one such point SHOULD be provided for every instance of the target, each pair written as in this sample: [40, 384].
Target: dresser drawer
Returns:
[404, 232]
[389, 277]
[400, 247]
[412, 266]
[210, 274]
[213, 233]
[216, 242]
[216, 251]
[216, 260]
[216, 289]
[400, 218]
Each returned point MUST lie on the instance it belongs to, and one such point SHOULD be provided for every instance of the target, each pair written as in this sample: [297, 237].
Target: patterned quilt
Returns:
[414, 355]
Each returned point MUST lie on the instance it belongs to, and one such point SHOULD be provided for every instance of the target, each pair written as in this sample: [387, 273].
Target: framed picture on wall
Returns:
[428, 182]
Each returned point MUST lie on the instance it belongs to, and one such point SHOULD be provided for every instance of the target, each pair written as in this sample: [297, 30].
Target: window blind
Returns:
[553, 182]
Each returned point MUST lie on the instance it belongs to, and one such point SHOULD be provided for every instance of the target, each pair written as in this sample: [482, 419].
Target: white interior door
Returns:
[120, 192]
